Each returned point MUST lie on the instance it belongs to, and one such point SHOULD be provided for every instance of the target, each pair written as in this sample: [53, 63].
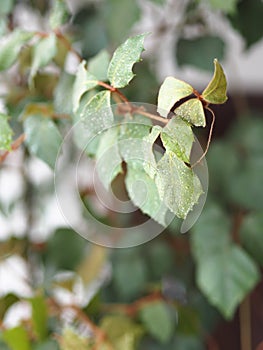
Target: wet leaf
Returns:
[6, 133]
[98, 65]
[192, 111]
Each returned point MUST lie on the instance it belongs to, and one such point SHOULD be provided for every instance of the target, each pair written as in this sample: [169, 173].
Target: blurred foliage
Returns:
[172, 292]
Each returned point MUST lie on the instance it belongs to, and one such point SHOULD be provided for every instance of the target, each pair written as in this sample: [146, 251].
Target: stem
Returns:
[15, 145]
[67, 44]
[209, 137]
[245, 324]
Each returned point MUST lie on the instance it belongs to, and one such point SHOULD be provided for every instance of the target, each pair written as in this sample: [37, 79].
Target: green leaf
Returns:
[120, 68]
[43, 138]
[225, 273]
[215, 92]
[251, 235]
[63, 94]
[17, 338]
[10, 49]
[98, 65]
[96, 115]
[143, 192]
[84, 82]
[227, 6]
[179, 187]
[70, 340]
[59, 14]
[47, 345]
[199, 52]
[122, 332]
[6, 133]
[158, 320]
[43, 52]
[6, 7]
[171, 91]
[39, 316]
[108, 157]
[177, 137]
[192, 111]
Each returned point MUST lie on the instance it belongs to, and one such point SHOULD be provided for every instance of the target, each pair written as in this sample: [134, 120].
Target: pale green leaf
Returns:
[17, 338]
[158, 320]
[228, 6]
[6, 7]
[225, 273]
[43, 138]
[39, 316]
[192, 111]
[63, 94]
[84, 82]
[120, 68]
[177, 137]
[47, 345]
[108, 158]
[59, 14]
[98, 65]
[69, 340]
[43, 52]
[6, 133]
[11, 47]
[251, 236]
[215, 92]
[143, 192]
[171, 91]
[179, 187]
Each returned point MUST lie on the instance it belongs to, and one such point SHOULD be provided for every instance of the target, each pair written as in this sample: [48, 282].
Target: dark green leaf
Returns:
[10, 49]
[39, 316]
[189, 342]
[192, 111]
[59, 14]
[43, 52]
[6, 133]
[43, 138]
[17, 338]
[171, 91]
[199, 52]
[251, 235]
[120, 68]
[158, 320]
[84, 82]
[98, 65]
[177, 137]
[179, 188]
[215, 92]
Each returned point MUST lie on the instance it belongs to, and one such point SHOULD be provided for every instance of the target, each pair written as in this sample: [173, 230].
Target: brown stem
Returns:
[245, 324]
[209, 137]
[15, 145]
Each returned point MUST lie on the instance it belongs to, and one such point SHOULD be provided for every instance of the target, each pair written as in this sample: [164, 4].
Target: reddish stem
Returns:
[15, 145]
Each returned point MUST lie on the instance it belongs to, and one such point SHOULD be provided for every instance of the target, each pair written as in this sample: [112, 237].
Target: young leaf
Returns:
[17, 338]
[120, 68]
[84, 82]
[44, 51]
[6, 133]
[215, 92]
[192, 111]
[10, 49]
[97, 115]
[177, 137]
[43, 138]
[59, 14]
[144, 194]
[171, 91]
[108, 157]
[98, 65]
[179, 187]
[158, 320]
[39, 316]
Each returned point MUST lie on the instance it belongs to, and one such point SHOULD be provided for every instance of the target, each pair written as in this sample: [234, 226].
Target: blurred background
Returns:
[43, 262]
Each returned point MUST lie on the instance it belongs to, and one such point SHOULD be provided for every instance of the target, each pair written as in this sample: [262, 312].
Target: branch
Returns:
[15, 145]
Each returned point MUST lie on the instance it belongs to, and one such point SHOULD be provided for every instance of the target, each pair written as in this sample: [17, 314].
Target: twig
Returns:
[209, 137]
[245, 324]
[15, 145]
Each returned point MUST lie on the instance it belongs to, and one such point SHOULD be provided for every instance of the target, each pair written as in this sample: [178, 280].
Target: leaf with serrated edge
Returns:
[120, 68]
[44, 51]
[177, 137]
[6, 133]
[10, 49]
[179, 188]
[98, 65]
[215, 92]
[171, 91]
[192, 111]
[84, 82]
